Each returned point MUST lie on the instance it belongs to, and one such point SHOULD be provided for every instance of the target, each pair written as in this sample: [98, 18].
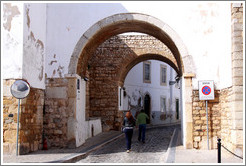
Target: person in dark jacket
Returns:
[128, 124]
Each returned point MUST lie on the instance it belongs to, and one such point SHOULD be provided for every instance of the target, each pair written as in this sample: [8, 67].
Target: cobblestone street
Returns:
[153, 151]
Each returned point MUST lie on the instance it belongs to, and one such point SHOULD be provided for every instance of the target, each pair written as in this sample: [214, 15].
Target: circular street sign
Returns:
[20, 89]
[206, 90]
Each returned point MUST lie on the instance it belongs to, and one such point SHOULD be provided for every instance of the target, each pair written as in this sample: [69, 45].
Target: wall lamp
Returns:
[177, 78]
[86, 79]
[172, 82]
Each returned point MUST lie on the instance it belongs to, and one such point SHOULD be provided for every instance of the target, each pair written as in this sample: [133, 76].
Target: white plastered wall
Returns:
[135, 88]
[84, 129]
[11, 40]
[34, 44]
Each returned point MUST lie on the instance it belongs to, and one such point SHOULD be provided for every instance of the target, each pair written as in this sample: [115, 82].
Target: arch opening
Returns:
[81, 61]
[158, 96]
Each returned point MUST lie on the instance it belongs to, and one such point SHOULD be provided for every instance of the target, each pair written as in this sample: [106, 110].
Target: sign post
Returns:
[19, 89]
[206, 92]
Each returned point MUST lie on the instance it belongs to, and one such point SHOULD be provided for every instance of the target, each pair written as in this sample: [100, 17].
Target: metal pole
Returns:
[17, 128]
[219, 150]
[207, 123]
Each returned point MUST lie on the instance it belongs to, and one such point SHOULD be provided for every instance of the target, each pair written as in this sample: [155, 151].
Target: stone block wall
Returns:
[200, 121]
[56, 113]
[220, 120]
[226, 117]
[30, 120]
[237, 56]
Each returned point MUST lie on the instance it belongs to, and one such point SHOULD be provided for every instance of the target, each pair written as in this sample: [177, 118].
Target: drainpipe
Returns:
[171, 93]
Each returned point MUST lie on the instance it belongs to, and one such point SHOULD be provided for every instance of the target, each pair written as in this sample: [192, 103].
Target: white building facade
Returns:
[151, 85]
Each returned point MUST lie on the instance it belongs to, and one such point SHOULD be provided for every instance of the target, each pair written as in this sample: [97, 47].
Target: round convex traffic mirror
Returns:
[20, 89]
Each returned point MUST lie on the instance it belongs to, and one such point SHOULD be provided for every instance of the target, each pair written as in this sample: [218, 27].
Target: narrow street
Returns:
[153, 151]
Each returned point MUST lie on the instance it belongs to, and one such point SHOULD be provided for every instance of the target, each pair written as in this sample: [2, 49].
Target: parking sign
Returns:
[206, 90]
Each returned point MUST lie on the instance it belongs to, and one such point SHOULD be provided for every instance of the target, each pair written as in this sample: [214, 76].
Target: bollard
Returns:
[219, 150]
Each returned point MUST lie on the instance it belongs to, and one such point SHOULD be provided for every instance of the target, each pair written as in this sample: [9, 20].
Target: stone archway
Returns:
[120, 23]
[135, 22]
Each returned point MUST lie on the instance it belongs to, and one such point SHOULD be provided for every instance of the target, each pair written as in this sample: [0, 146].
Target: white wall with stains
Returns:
[11, 40]
[34, 44]
[66, 23]
[203, 26]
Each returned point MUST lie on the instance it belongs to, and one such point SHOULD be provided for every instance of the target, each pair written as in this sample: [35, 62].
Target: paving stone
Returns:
[153, 151]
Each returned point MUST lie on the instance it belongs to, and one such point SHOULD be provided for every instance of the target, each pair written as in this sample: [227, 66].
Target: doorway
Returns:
[177, 109]
[147, 106]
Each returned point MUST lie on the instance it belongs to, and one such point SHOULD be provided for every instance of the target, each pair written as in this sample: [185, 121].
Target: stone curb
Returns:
[170, 148]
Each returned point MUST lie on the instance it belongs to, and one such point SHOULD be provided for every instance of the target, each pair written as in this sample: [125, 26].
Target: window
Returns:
[163, 104]
[146, 72]
[163, 75]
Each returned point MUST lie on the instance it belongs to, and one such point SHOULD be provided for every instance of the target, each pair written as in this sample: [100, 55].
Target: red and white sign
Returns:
[206, 90]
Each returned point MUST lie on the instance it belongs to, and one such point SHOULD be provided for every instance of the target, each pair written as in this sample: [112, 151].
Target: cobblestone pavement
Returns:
[153, 151]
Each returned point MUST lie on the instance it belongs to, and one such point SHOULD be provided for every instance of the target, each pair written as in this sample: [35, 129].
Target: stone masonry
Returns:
[226, 117]
[200, 121]
[30, 120]
[56, 113]
[109, 60]
[237, 77]
[220, 120]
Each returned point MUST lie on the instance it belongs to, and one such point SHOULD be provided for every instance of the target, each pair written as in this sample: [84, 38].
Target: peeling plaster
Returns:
[205, 17]
[35, 47]
[31, 36]
[28, 18]
[9, 13]
[51, 62]
[41, 74]
[60, 70]
[40, 43]
[54, 73]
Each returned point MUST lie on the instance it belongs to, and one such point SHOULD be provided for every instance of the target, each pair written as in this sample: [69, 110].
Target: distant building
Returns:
[151, 85]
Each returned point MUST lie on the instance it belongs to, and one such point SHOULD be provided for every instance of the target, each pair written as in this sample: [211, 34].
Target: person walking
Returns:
[141, 122]
[128, 124]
